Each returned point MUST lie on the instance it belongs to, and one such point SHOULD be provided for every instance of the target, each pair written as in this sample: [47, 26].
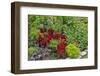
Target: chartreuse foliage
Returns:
[72, 51]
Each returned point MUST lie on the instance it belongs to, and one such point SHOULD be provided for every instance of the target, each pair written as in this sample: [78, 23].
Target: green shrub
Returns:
[53, 44]
[72, 51]
[32, 36]
[31, 50]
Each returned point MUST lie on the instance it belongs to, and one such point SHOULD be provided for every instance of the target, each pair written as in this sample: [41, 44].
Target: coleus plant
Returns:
[45, 37]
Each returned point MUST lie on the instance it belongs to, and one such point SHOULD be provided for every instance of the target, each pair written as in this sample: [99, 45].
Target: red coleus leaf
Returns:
[49, 38]
[56, 35]
[63, 36]
[60, 48]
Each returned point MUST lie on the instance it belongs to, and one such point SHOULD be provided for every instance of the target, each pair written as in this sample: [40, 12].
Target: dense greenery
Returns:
[75, 29]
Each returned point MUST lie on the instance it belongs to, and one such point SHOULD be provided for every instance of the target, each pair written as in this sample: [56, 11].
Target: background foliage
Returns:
[75, 29]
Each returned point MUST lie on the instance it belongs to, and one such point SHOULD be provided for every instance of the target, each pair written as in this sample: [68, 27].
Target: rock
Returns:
[83, 53]
[80, 57]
